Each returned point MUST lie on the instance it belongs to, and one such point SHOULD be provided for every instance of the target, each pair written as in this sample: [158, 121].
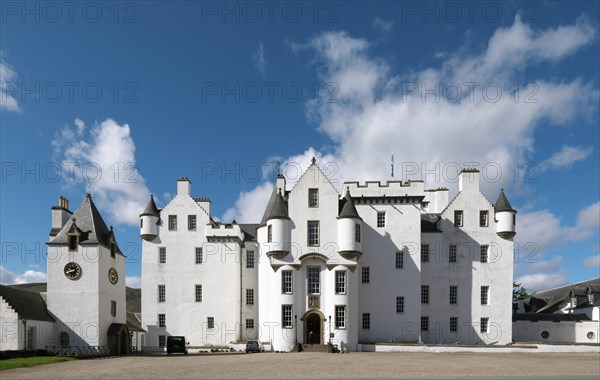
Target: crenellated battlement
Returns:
[388, 189]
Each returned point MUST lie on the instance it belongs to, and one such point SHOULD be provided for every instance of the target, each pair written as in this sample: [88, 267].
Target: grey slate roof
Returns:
[249, 230]
[549, 301]
[276, 208]
[429, 223]
[88, 220]
[349, 210]
[29, 305]
[151, 208]
[534, 317]
[502, 203]
[133, 322]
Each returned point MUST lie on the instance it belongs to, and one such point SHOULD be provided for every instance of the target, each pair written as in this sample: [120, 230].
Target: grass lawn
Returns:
[31, 362]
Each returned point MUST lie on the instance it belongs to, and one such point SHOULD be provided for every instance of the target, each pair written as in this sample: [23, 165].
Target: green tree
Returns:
[519, 292]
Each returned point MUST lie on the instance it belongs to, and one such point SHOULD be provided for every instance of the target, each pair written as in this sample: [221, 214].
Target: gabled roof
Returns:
[549, 301]
[349, 210]
[28, 305]
[502, 203]
[276, 208]
[151, 208]
[88, 220]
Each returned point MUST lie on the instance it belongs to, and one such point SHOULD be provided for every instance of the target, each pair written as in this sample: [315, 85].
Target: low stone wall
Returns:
[386, 347]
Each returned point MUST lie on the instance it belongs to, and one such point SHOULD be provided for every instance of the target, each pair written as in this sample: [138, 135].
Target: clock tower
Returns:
[86, 279]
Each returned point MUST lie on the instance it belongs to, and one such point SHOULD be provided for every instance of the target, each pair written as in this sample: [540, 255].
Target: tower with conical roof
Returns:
[349, 229]
[149, 221]
[505, 217]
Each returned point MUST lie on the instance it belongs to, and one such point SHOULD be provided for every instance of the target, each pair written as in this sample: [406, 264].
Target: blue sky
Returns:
[134, 95]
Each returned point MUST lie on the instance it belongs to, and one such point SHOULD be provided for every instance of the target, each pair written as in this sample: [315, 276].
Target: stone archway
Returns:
[118, 336]
[313, 328]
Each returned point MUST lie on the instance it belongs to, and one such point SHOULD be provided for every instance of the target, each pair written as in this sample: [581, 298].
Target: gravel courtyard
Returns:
[318, 366]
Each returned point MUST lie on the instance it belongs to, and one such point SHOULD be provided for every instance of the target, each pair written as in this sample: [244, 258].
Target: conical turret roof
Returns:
[502, 203]
[277, 208]
[349, 210]
[151, 208]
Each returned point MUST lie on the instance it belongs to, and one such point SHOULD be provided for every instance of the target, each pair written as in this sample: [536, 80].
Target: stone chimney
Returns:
[60, 215]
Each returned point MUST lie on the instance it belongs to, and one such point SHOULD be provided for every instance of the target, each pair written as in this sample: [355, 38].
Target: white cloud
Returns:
[133, 281]
[29, 276]
[7, 100]
[541, 281]
[250, 205]
[566, 157]
[382, 25]
[588, 221]
[592, 262]
[552, 265]
[107, 157]
[259, 60]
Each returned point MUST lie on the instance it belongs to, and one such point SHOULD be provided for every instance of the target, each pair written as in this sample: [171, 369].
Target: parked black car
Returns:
[176, 345]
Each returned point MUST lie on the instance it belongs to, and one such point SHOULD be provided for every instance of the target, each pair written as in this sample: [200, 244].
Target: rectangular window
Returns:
[198, 293]
[286, 316]
[162, 320]
[366, 275]
[162, 339]
[249, 296]
[424, 323]
[483, 218]
[113, 308]
[313, 280]
[453, 294]
[72, 243]
[366, 321]
[313, 197]
[313, 233]
[458, 218]
[424, 253]
[192, 222]
[286, 282]
[453, 324]
[357, 232]
[425, 294]
[399, 260]
[162, 294]
[452, 253]
[340, 282]
[399, 305]
[199, 255]
[483, 253]
[250, 259]
[269, 233]
[31, 332]
[340, 317]
[380, 218]
[210, 323]
[172, 222]
[249, 324]
[483, 325]
[485, 290]
[162, 255]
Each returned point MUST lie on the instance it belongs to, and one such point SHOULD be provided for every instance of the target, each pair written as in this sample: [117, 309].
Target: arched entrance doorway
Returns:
[313, 329]
[118, 338]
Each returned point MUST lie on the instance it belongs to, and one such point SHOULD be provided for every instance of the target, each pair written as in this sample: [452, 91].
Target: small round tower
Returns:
[505, 217]
[349, 229]
[149, 221]
[278, 228]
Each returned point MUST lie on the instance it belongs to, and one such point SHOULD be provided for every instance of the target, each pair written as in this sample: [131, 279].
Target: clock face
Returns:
[113, 276]
[72, 271]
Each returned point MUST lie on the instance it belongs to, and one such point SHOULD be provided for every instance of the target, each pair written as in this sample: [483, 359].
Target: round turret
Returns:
[278, 228]
[349, 230]
[149, 221]
[505, 217]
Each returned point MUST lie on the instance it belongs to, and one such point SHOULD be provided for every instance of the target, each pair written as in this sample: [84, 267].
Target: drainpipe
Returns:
[24, 334]
[241, 291]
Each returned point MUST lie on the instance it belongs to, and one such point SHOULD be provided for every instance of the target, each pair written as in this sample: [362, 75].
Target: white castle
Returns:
[386, 262]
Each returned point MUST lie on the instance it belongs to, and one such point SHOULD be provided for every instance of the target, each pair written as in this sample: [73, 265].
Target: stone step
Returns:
[314, 348]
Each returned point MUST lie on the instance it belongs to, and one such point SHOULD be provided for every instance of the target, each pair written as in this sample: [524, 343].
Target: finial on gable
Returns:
[313, 161]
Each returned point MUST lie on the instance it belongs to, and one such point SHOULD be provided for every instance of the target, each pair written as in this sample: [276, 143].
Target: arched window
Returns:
[64, 339]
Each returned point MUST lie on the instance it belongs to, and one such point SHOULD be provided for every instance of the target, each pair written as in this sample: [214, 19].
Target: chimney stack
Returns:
[60, 215]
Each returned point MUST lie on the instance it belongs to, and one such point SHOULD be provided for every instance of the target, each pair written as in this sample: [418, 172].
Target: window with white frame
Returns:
[286, 316]
[399, 259]
[380, 218]
[453, 294]
[399, 305]
[249, 324]
[366, 321]
[162, 255]
[162, 320]
[286, 282]
[113, 308]
[249, 296]
[425, 294]
[485, 290]
[453, 324]
[483, 218]
[340, 282]
[162, 294]
[424, 253]
[199, 257]
[172, 222]
[340, 317]
[198, 293]
[313, 233]
[210, 323]
[458, 218]
[366, 275]
[452, 253]
[313, 197]
[314, 286]
[424, 323]
[249, 259]
[483, 325]
[483, 253]
[357, 232]
[192, 222]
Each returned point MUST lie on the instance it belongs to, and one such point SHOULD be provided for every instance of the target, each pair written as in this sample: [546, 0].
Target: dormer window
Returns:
[573, 301]
[72, 242]
[591, 298]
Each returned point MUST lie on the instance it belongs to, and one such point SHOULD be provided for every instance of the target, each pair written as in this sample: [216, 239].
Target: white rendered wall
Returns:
[10, 328]
[559, 332]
